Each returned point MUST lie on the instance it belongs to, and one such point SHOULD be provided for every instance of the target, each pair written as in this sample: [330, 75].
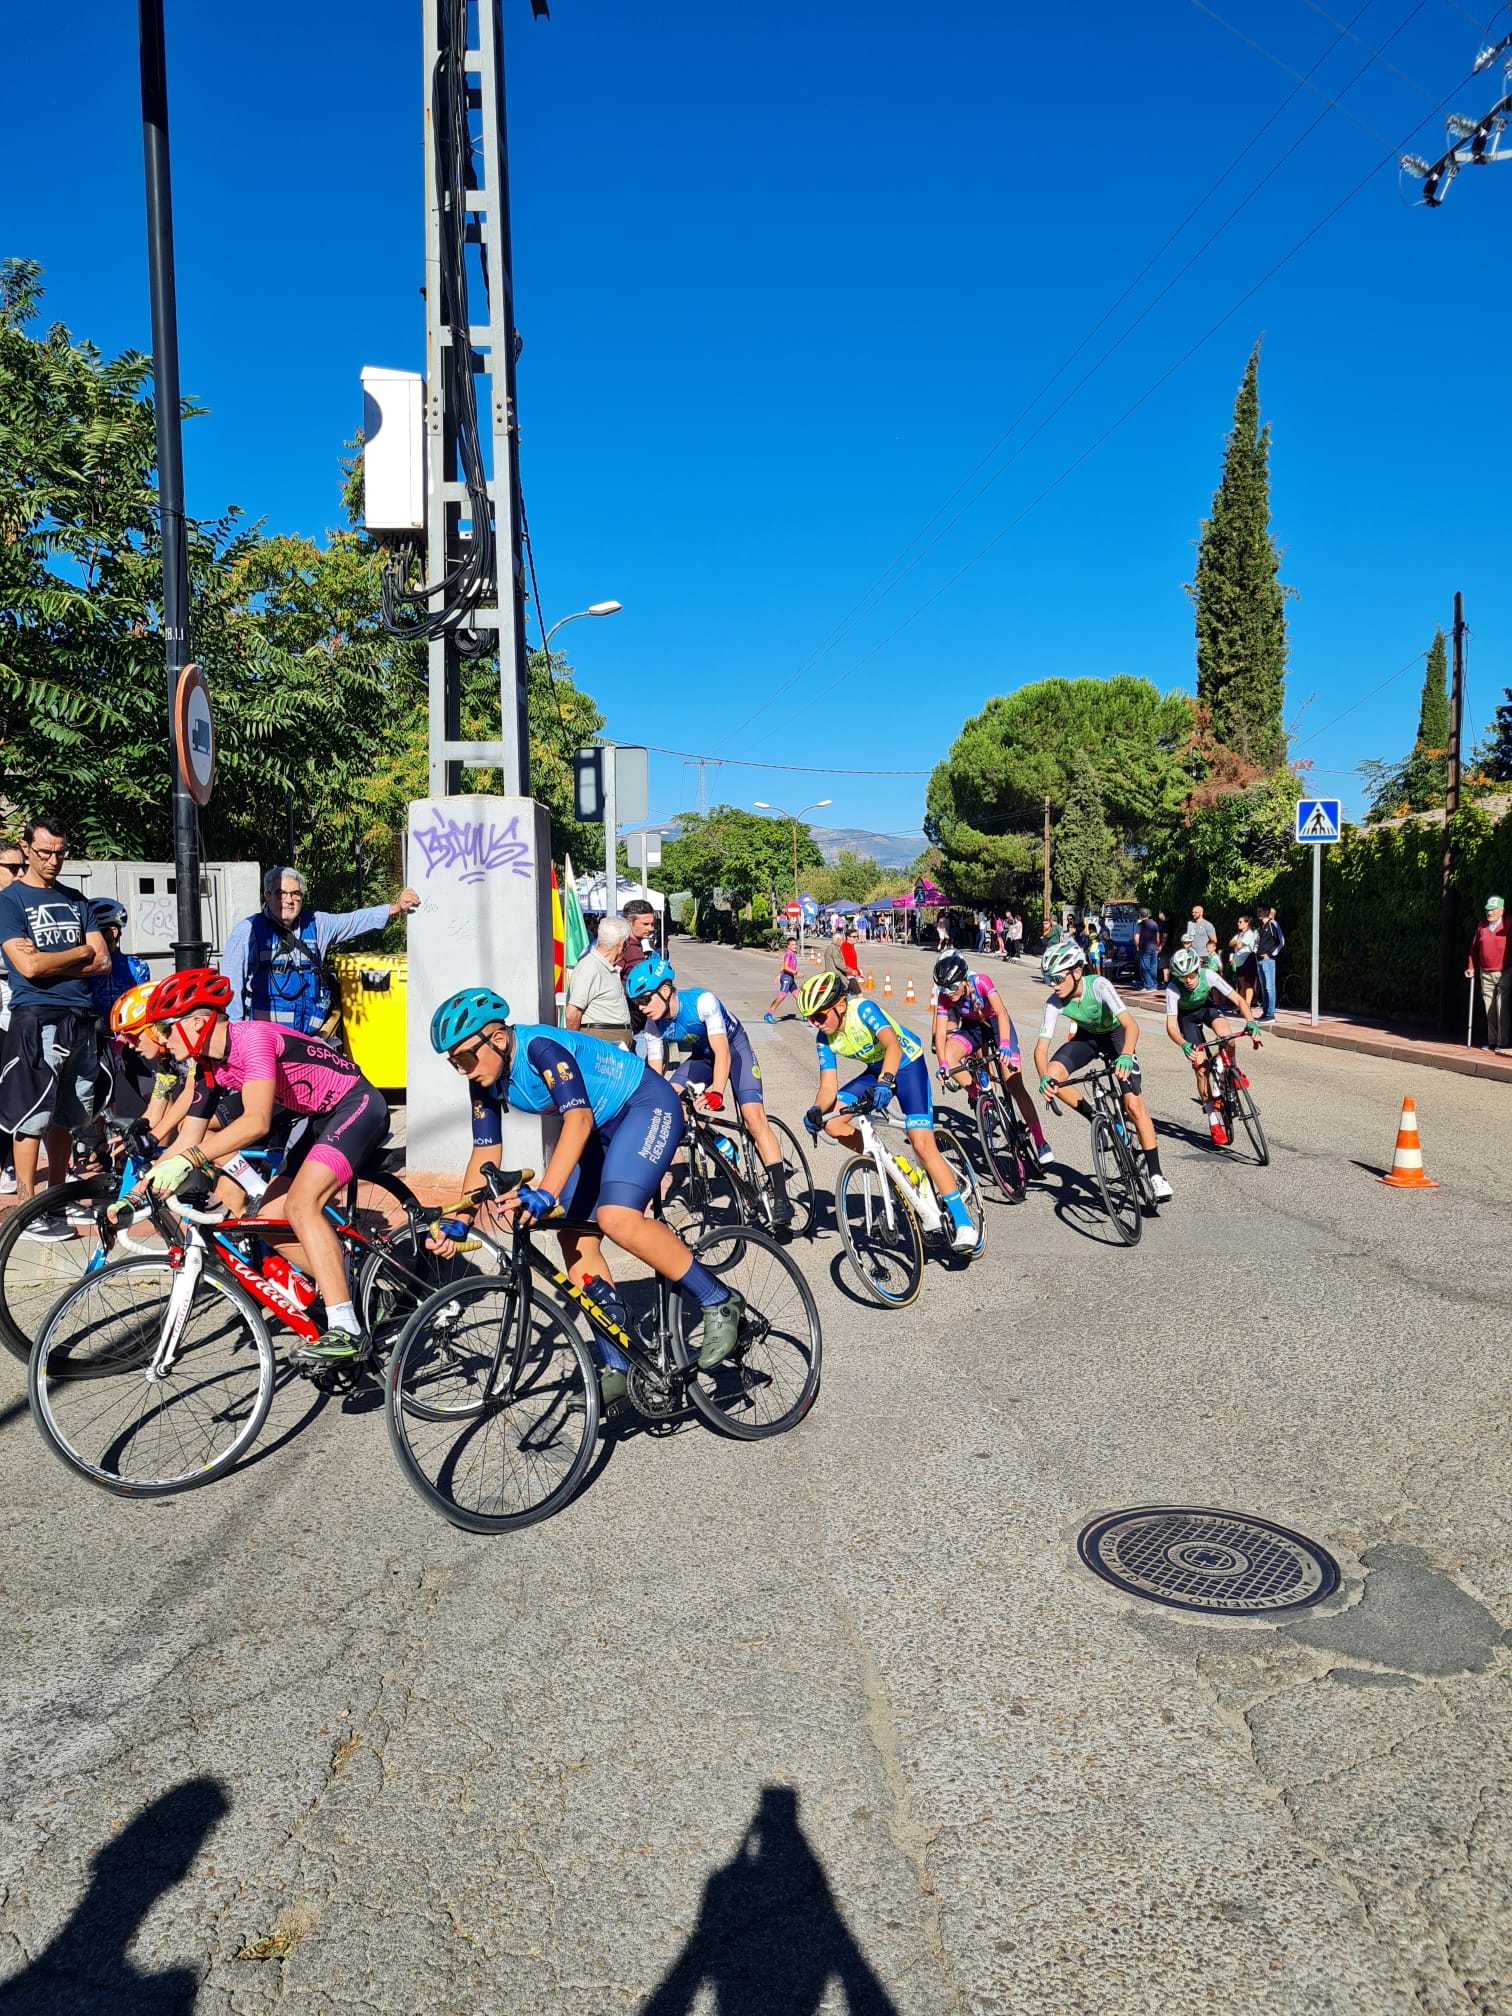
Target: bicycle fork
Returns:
[180, 1296]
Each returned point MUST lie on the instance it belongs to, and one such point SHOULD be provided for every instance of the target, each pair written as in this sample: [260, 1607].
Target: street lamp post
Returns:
[818, 805]
[593, 609]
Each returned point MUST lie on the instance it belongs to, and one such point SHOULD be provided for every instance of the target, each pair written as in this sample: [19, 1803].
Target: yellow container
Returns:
[375, 1013]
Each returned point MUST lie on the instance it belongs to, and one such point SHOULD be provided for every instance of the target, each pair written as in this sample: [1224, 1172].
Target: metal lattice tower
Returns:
[492, 344]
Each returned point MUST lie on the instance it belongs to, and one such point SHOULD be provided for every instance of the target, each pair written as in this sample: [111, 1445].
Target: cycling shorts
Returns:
[343, 1139]
[625, 1160]
[1193, 1026]
[1082, 1049]
[914, 1099]
[745, 1072]
[981, 1040]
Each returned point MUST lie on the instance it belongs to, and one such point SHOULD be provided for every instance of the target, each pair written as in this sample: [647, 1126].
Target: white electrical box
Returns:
[393, 450]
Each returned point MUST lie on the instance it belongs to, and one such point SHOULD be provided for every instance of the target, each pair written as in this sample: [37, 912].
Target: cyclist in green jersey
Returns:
[1104, 1028]
[894, 1057]
[1191, 1007]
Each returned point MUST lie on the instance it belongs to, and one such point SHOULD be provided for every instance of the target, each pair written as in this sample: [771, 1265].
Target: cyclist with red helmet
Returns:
[272, 1068]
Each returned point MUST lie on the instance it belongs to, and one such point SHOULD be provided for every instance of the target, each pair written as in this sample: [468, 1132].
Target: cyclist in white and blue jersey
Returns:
[719, 1057]
[620, 1126]
[894, 1058]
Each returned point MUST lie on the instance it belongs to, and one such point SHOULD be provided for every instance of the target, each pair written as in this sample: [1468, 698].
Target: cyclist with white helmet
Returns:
[1103, 1028]
[620, 1126]
[1191, 1008]
[971, 1021]
[720, 1057]
[895, 1067]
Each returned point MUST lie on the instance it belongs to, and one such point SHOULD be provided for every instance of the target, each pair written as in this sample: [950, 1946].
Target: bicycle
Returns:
[1007, 1144]
[502, 1355]
[33, 1276]
[154, 1374]
[1236, 1103]
[719, 1179]
[886, 1208]
[1121, 1174]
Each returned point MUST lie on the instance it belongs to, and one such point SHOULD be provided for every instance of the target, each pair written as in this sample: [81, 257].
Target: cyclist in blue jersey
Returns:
[895, 1067]
[620, 1126]
[720, 1056]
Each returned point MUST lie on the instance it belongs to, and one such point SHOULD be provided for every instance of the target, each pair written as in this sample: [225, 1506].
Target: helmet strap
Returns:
[196, 1048]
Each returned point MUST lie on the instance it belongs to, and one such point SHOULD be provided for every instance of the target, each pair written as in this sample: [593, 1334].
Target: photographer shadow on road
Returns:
[770, 1937]
[88, 1965]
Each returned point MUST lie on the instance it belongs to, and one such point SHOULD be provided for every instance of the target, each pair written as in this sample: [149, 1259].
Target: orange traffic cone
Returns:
[887, 985]
[910, 996]
[1407, 1162]
[868, 981]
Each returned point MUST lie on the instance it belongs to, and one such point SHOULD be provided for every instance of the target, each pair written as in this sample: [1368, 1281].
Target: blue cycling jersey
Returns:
[560, 1069]
[699, 1016]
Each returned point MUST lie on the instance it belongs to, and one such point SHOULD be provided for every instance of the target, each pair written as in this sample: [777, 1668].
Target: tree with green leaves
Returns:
[320, 713]
[1087, 863]
[1420, 782]
[1240, 604]
[985, 802]
[741, 852]
[851, 878]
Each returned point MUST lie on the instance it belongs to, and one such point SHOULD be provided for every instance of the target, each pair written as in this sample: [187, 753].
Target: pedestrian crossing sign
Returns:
[1318, 820]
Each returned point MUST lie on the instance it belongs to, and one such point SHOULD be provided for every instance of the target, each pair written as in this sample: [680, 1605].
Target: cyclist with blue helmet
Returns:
[720, 1057]
[620, 1127]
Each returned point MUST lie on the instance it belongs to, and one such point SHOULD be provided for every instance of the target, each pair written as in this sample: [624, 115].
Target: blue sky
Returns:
[786, 273]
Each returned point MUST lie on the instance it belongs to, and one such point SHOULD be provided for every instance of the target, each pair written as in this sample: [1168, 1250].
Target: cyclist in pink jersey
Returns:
[272, 1067]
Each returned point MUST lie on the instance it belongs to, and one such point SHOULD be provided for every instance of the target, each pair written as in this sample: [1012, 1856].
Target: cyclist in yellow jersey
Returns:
[894, 1057]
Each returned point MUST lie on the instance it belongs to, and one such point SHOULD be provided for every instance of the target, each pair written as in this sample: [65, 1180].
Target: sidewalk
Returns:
[1377, 1039]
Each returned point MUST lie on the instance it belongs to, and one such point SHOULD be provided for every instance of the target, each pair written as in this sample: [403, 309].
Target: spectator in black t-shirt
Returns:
[52, 1046]
[1271, 938]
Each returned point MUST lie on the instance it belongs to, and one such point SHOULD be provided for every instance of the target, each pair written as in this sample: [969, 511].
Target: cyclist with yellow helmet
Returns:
[894, 1059]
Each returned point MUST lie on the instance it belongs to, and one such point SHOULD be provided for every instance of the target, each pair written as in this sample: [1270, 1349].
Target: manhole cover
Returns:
[1226, 1563]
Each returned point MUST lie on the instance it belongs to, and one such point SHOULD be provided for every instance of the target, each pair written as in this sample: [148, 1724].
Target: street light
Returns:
[818, 804]
[593, 609]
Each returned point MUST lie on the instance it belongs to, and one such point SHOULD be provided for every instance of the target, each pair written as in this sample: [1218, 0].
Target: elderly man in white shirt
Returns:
[596, 1001]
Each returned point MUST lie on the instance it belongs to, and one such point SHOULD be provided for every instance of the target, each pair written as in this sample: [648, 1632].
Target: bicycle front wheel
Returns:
[495, 1430]
[800, 1182]
[886, 1246]
[1249, 1113]
[771, 1379]
[123, 1421]
[1000, 1146]
[959, 1163]
[1113, 1165]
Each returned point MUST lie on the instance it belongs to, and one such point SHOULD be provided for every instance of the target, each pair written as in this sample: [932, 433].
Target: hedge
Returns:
[1379, 943]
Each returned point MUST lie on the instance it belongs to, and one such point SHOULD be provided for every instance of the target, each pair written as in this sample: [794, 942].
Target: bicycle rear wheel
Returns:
[1000, 1147]
[959, 1162]
[1117, 1180]
[771, 1379]
[385, 1298]
[800, 1183]
[1249, 1113]
[492, 1464]
[34, 1272]
[888, 1257]
[703, 1190]
[112, 1421]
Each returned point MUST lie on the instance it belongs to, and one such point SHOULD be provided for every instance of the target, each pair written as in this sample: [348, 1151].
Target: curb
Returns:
[1465, 1064]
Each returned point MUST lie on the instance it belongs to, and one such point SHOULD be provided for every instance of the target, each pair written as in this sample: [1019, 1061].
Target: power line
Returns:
[1281, 64]
[1411, 82]
[806, 769]
[883, 586]
[1416, 659]
[1151, 389]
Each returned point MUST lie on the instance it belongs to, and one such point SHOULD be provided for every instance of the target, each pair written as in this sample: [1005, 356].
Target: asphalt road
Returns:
[837, 1723]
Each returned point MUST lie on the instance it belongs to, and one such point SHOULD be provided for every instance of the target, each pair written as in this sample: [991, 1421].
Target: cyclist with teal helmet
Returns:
[620, 1126]
[719, 1057]
[1103, 1028]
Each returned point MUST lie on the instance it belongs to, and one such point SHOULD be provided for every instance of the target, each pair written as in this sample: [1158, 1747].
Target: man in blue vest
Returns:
[276, 961]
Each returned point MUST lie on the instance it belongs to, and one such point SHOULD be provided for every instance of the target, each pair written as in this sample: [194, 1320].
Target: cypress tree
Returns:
[1240, 603]
[1425, 782]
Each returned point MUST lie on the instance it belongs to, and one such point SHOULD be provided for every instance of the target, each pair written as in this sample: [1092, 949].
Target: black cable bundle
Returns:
[471, 579]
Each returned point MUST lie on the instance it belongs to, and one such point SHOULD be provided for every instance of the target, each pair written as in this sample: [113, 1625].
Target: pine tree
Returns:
[1240, 604]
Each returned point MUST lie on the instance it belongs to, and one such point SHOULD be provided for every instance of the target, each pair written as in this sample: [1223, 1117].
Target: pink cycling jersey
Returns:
[309, 1077]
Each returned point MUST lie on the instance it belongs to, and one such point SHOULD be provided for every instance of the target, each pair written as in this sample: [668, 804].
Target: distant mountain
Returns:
[885, 848]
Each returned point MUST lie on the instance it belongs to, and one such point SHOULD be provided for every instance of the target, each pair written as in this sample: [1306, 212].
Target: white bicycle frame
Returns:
[921, 1196]
[181, 1294]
